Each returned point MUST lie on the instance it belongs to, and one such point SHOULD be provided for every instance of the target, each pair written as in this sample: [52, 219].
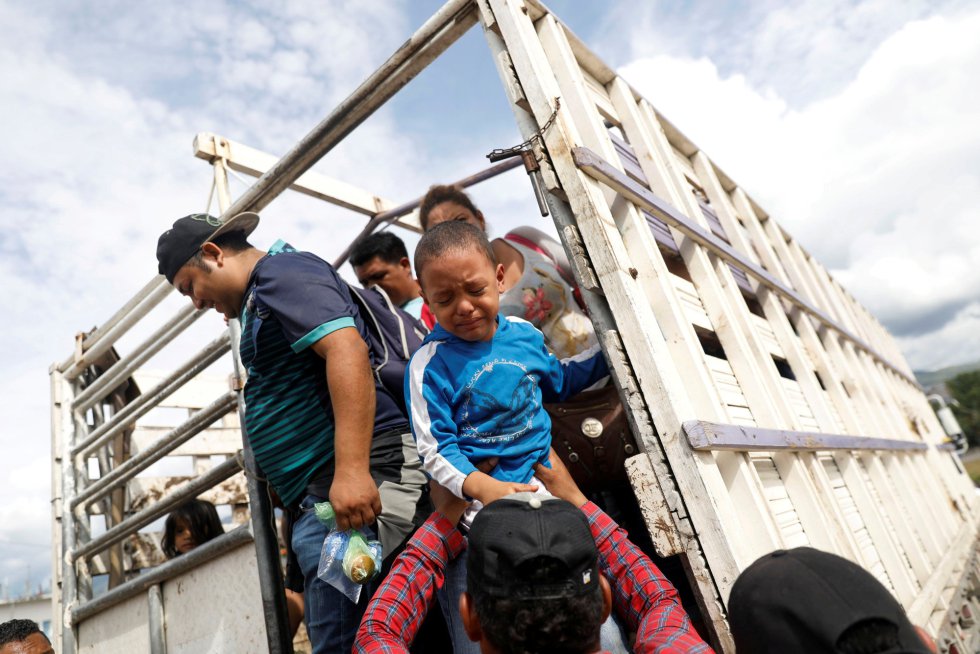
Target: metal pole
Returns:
[395, 213]
[110, 336]
[224, 470]
[261, 512]
[94, 337]
[158, 630]
[149, 399]
[158, 449]
[69, 589]
[429, 41]
[141, 353]
[183, 563]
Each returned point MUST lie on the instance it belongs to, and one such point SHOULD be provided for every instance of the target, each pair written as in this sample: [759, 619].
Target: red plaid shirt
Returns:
[641, 594]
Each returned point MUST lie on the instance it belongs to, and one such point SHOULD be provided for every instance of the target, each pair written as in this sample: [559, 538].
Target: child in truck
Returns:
[474, 392]
[475, 387]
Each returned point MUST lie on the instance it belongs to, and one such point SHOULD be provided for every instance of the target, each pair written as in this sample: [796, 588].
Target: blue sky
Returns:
[852, 122]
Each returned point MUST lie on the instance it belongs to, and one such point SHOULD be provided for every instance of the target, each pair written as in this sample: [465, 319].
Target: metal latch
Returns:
[526, 152]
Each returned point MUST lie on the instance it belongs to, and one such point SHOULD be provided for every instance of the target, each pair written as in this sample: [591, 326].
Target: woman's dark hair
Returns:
[568, 625]
[200, 516]
[440, 193]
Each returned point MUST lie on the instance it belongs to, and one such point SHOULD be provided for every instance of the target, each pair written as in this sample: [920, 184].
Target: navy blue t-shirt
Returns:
[294, 299]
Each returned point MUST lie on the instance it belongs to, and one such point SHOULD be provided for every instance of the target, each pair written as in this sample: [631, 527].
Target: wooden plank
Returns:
[898, 513]
[704, 435]
[247, 160]
[893, 558]
[783, 510]
[775, 329]
[215, 440]
[195, 394]
[659, 380]
[920, 513]
[602, 171]
[676, 380]
[691, 302]
[867, 548]
[945, 573]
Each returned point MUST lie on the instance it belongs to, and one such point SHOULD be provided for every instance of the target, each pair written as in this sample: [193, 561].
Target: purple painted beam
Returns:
[601, 170]
[712, 436]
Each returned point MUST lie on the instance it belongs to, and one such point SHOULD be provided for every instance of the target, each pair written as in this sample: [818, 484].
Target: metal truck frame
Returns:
[772, 409]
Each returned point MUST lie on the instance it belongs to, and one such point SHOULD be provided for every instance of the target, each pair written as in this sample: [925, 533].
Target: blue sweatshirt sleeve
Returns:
[570, 376]
[428, 395]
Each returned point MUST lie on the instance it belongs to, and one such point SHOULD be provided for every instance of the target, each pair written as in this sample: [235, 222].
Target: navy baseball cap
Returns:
[178, 244]
[522, 529]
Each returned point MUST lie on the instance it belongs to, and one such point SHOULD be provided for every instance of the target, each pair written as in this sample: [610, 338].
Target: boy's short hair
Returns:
[384, 245]
[451, 236]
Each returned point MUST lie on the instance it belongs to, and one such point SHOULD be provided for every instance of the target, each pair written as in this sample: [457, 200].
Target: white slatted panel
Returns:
[767, 336]
[800, 406]
[730, 391]
[693, 308]
[839, 427]
[743, 492]
[782, 508]
[597, 92]
[869, 553]
[685, 165]
[873, 490]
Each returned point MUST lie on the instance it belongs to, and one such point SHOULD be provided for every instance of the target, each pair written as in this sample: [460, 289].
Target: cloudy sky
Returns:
[853, 123]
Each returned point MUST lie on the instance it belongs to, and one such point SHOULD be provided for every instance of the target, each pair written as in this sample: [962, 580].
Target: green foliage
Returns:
[973, 469]
[965, 389]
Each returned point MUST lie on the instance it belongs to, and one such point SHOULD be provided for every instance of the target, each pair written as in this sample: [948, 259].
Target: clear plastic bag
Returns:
[348, 559]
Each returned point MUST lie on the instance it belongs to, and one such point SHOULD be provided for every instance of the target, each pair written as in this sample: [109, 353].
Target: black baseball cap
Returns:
[803, 600]
[182, 241]
[523, 527]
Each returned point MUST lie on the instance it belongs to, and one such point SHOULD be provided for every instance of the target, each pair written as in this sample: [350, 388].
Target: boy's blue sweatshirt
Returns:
[469, 401]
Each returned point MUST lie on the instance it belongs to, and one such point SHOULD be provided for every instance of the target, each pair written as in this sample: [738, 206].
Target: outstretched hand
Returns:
[450, 506]
[558, 481]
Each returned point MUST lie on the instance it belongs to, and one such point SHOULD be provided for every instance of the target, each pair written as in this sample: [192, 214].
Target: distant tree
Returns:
[965, 389]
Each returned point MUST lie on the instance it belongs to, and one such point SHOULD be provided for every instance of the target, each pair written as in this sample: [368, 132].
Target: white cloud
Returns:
[802, 49]
[98, 106]
[97, 123]
[875, 180]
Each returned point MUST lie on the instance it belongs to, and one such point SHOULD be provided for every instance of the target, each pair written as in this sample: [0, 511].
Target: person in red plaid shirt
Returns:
[532, 577]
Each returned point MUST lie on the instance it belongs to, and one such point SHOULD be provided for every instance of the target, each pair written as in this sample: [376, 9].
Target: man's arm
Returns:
[641, 594]
[395, 613]
[353, 494]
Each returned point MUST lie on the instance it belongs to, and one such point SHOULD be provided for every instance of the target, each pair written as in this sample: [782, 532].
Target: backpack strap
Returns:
[365, 309]
[402, 334]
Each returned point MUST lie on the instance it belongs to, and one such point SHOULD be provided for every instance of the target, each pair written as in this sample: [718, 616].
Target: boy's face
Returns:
[462, 289]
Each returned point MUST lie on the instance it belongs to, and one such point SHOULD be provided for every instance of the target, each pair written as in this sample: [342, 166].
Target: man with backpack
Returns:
[318, 418]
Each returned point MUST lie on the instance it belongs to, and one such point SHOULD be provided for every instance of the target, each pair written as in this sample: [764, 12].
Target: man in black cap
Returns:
[542, 576]
[811, 602]
[319, 423]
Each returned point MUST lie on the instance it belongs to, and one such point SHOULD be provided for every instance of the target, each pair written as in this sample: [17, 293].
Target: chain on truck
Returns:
[771, 409]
